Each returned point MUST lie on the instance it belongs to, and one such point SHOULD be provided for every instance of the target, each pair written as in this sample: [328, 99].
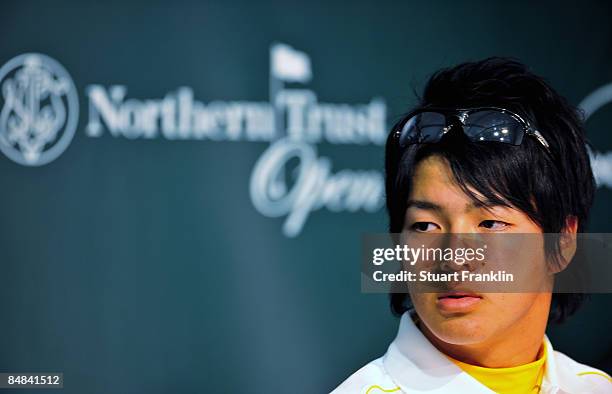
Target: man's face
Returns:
[442, 207]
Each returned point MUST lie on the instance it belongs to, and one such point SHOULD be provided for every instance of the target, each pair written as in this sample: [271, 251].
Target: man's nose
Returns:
[457, 241]
[460, 225]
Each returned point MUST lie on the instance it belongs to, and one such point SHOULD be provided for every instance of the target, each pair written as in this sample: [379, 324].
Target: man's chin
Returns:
[460, 329]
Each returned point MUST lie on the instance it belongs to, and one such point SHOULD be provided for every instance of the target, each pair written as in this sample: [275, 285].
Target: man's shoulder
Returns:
[593, 379]
[370, 379]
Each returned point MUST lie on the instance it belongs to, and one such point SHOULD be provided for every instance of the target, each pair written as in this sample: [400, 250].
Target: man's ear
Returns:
[567, 241]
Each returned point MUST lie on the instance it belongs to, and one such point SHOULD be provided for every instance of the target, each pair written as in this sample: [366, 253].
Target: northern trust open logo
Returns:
[39, 109]
[290, 180]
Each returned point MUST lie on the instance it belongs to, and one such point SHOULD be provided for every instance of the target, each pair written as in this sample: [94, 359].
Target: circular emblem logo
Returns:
[597, 99]
[39, 109]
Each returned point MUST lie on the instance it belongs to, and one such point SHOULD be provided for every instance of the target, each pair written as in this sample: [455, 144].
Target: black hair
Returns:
[548, 186]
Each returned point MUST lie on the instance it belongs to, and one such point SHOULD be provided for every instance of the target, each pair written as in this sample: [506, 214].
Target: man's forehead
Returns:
[434, 187]
[434, 178]
[433, 166]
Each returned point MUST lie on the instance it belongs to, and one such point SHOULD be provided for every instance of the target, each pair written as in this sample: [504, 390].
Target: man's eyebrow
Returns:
[427, 205]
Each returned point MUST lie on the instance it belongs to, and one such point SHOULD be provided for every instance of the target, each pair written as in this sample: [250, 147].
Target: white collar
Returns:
[417, 366]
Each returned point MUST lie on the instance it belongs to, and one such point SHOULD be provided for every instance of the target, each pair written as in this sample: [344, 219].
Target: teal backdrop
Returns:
[138, 263]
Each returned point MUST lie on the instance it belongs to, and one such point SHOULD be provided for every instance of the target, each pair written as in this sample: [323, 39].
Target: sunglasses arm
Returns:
[539, 137]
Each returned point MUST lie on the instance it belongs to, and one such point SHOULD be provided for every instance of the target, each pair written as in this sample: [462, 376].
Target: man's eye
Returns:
[424, 227]
[494, 224]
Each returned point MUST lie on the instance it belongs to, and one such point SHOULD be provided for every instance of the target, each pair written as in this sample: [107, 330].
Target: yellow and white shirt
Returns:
[412, 365]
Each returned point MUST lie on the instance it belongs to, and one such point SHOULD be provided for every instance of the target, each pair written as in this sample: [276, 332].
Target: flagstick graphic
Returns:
[276, 85]
[286, 65]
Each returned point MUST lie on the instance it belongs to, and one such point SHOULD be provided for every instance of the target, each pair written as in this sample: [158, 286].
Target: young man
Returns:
[490, 149]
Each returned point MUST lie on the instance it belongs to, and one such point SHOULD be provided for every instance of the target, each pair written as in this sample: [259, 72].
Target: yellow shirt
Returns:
[523, 379]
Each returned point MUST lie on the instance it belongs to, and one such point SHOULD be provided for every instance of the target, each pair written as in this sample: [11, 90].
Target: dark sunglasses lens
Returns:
[494, 126]
[422, 128]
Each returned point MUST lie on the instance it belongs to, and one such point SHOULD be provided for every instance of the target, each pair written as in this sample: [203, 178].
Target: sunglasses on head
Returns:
[482, 124]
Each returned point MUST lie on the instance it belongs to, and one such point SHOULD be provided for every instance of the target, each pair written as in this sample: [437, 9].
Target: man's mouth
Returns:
[458, 301]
